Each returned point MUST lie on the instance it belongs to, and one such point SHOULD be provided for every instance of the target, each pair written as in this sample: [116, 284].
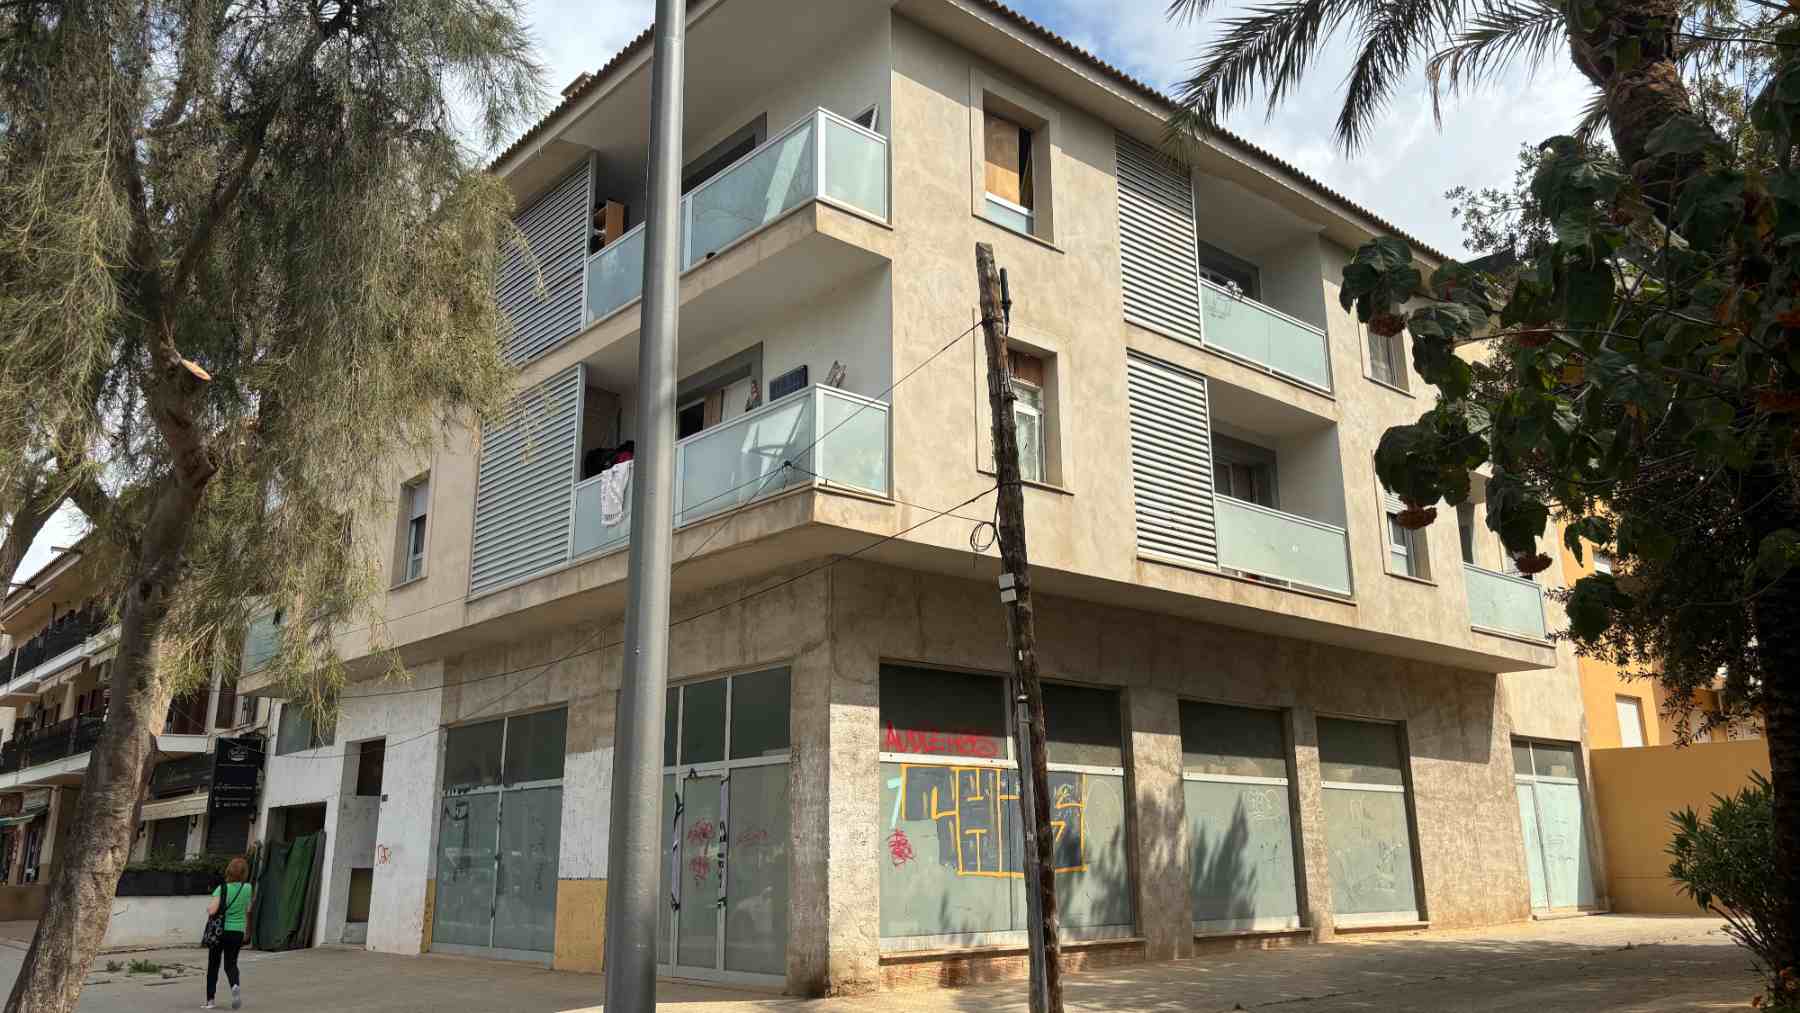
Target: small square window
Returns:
[1011, 200]
[1244, 471]
[1465, 530]
[1407, 555]
[1028, 414]
[1603, 562]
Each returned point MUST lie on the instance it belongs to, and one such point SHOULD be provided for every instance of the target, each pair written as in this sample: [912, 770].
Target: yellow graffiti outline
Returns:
[995, 799]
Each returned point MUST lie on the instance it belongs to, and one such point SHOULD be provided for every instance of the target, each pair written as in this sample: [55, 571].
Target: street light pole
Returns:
[633, 883]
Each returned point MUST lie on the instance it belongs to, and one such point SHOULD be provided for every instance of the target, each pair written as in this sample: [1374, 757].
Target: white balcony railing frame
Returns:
[814, 121]
[814, 455]
[1474, 576]
[1345, 588]
[1209, 291]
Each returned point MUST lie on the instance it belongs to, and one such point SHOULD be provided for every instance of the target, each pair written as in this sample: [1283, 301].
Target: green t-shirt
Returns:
[237, 904]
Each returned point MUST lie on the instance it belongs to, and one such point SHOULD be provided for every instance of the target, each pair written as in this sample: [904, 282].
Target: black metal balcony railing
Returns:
[51, 743]
[87, 732]
[54, 742]
[11, 753]
[59, 636]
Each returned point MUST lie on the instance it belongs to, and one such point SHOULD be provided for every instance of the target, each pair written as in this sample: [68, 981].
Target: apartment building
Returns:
[54, 692]
[1273, 713]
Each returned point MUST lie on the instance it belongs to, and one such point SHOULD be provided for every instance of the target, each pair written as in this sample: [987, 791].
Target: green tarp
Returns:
[287, 893]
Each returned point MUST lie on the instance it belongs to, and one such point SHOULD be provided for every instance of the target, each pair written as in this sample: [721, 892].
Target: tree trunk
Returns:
[1777, 614]
[81, 893]
[28, 519]
[1643, 96]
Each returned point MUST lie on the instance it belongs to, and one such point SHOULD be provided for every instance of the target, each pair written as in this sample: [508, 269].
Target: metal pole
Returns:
[633, 888]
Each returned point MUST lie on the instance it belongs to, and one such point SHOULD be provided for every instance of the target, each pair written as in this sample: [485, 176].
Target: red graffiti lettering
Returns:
[702, 833]
[751, 839]
[899, 848]
[700, 867]
[930, 743]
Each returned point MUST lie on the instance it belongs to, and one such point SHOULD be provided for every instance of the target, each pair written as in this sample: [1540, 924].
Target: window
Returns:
[1387, 358]
[950, 857]
[1603, 562]
[225, 715]
[371, 758]
[1028, 412]
[1631, 720]
[415, 500]
[362, 888]
[1235, 785]
[1228, 272]
[169, 839]
[1465, 530]
[296, 731]
[1244, 471]
[869, 119]
[1010, 183]
[1407, 555]
[1368, 832]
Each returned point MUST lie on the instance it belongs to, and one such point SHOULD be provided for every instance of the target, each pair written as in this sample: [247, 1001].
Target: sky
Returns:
[1401, 175]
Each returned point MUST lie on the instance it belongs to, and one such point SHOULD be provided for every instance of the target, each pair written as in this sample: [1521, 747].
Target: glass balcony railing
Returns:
[822, 157]
[1247, 329]
[831, 437]
[1501, 603]
[1270, 544]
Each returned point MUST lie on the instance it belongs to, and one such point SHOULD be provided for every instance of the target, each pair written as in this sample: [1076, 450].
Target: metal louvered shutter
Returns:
[555, 229]
[1171, 461]
[523, 484]
[1156, 242]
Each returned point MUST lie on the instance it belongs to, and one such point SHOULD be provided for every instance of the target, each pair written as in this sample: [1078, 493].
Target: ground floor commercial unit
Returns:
[840, 794]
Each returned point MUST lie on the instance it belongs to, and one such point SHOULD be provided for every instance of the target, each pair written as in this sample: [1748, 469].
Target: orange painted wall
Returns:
[1635, 790]
[1603, 683]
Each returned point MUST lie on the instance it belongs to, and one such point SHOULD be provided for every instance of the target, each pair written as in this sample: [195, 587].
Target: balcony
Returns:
[1259, 542]
[832, 439]
[1504, 604]
[823, 157]
[1243, 328]
[62, 639]
[58, 753]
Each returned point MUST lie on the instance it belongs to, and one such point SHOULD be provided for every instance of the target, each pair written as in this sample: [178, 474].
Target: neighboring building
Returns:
[1628, 711]
[54, 696]
[1272, 711]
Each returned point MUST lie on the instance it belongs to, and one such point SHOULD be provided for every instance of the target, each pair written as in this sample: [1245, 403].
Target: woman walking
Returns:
[233, 902]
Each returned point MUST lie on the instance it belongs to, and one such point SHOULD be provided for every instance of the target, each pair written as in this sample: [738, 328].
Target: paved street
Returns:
[1623, 964]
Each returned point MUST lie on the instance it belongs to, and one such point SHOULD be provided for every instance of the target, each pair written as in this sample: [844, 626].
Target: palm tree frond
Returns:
[1496, 36]
[1269, 47]
[1394, 33]
[1593, 120]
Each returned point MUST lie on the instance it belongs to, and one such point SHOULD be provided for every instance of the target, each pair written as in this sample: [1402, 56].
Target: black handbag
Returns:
[215, 925]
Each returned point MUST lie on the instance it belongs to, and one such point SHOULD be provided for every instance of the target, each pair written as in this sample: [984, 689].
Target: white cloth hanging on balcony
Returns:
[615, 487]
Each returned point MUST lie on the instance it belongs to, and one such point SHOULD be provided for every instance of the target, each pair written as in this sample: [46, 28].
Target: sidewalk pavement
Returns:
[1614, 963]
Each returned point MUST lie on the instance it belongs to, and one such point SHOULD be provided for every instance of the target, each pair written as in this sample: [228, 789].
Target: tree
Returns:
[1642, 365]
[246, 263]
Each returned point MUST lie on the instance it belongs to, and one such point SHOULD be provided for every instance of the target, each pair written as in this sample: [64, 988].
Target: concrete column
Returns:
[1309, 823]
[67, 707]
[1162, 898]
[212, 701]
[52, 827]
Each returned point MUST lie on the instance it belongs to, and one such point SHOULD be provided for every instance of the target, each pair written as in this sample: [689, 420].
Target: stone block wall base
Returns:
[951, 968]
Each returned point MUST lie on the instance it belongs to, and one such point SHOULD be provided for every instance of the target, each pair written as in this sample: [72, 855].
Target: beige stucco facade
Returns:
[837, 586]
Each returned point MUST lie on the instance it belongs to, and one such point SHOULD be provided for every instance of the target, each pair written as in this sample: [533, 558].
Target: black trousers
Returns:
[229, 944]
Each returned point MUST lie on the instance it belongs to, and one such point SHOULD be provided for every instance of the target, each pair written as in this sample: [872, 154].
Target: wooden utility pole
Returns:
[1026, 692]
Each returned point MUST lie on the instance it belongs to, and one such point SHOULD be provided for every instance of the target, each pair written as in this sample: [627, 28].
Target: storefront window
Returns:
[1238, 799]
[1367, 829]
[951, 850]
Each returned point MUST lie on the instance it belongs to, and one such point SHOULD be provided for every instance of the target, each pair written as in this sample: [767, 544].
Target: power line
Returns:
[580, 651]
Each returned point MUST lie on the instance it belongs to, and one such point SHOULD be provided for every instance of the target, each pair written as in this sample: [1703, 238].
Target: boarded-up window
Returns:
[1008, 155]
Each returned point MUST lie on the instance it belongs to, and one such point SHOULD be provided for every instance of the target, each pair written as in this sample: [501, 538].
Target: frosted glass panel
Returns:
[855, 168]
[463, 907]
[1534, 846]
[525, 903]
[1507, 604]
[697, 932]
[742, 459]
[751, 194]
[1250, 330]
[853, 442]
[1371, 852]
[951, 853]
[1258, 540]
[756, 893]
[590, 533]
[1568, 875]
[1242, 863]
[1007, 215]
[616, 274]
